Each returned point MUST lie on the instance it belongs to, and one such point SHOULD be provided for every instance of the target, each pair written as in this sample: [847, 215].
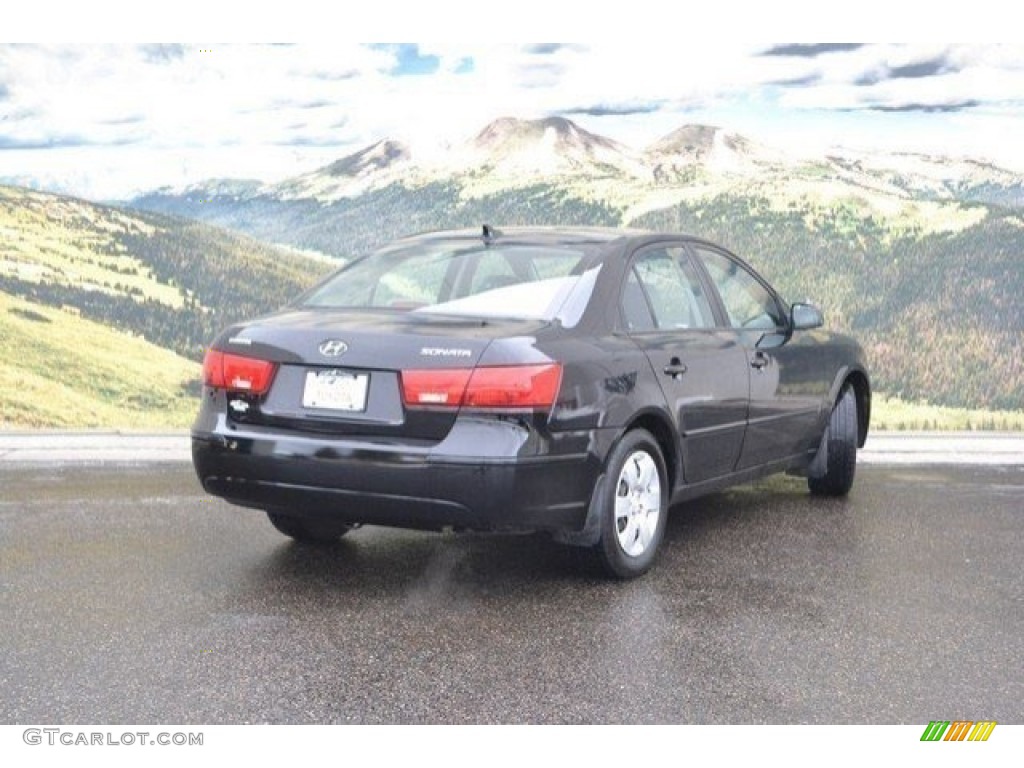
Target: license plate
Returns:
[335, 390]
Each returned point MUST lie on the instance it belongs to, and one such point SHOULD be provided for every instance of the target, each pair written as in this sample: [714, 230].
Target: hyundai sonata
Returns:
[572, 381]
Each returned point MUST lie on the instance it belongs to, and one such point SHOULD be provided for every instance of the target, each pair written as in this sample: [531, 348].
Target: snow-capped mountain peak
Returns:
[708, 146]
[547, 147]
[691, 161]
[377, 165]
[377, 157]
[507, 134]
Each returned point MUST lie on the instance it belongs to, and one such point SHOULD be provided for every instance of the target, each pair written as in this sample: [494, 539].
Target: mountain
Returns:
[105, 313]
[381, 156]
[510, 148]
[680, 154]
[554, 163]
[939, 178]
[697, 143]
[505, 152]
[913, 253]
[376, 166]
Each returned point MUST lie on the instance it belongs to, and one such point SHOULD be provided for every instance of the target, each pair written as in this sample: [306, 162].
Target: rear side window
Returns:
[663, 291]
[636, 310]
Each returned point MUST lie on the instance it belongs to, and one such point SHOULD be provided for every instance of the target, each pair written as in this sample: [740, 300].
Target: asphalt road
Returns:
[128, 596]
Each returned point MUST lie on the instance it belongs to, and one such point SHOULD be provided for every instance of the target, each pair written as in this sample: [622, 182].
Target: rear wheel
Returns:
[307, 530]
[634, 498]
[834, 466]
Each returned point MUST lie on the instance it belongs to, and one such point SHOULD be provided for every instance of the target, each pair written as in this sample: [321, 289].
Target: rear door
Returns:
[702, 369]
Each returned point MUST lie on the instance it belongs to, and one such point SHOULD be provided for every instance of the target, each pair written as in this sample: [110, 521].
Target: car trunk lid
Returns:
[340, 372]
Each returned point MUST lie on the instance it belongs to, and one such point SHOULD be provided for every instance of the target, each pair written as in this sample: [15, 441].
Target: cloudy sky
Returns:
[106, 121]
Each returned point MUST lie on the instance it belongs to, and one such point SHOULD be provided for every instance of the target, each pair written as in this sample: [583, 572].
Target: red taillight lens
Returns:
[243, 374]
[521, 386]
[514, 386]
[440, 388]
[213, 369]
[247, 374]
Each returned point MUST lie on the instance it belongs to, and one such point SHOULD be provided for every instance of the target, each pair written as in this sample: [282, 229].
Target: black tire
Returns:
[835, 469]
[308, 530]
[633, 496]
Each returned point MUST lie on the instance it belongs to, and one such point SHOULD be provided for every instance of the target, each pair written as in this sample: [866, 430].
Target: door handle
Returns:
[759, 361]
[675, 368]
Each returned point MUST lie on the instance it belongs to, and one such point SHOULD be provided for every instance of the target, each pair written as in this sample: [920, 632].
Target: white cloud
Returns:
[175, 114]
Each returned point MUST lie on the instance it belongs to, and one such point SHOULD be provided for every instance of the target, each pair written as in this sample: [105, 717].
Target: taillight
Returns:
[440, 387]
[213, 369]
[513, 386]
[521, 386]
[242, 374]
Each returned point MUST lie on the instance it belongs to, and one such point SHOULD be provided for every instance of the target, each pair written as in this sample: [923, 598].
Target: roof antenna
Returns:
[490, 232]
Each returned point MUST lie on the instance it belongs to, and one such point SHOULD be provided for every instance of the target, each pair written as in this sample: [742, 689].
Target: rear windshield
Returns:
[466, 279]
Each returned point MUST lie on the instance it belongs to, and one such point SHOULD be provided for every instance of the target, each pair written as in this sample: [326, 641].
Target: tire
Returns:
[834, 466]
[633, 494]
[308, 530]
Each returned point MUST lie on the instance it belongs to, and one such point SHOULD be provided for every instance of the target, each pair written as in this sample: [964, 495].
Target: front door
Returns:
[786, 389]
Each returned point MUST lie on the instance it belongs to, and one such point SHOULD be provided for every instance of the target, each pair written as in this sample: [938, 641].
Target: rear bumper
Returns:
[518, 483]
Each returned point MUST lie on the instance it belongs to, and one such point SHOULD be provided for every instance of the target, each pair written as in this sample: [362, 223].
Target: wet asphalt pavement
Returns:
[128, 596]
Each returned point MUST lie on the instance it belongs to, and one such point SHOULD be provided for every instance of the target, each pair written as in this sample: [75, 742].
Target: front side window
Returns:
[464, 278]
[748, 303]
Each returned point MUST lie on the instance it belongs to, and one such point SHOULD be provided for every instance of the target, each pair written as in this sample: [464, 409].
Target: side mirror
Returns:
[804, 317]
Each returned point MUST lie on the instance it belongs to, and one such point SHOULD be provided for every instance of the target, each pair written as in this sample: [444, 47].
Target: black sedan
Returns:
[573, 381]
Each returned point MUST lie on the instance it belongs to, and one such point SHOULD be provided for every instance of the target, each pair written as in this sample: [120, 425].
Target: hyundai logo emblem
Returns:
[333, 348]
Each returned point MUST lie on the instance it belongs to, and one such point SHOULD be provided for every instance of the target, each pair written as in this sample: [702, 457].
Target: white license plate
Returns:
[335, 390]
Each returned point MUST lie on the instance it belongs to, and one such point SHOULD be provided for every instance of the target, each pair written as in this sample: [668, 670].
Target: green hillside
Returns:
[104, 313]
[61, 370]
[934, 289]
[941, 315]
[353, 226]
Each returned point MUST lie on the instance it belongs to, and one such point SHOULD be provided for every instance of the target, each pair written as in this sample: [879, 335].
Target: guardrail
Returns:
[117, 447]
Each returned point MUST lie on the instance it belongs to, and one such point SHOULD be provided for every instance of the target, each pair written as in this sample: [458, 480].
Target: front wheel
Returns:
[308, 530]
[833, 468]
[634, 497]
